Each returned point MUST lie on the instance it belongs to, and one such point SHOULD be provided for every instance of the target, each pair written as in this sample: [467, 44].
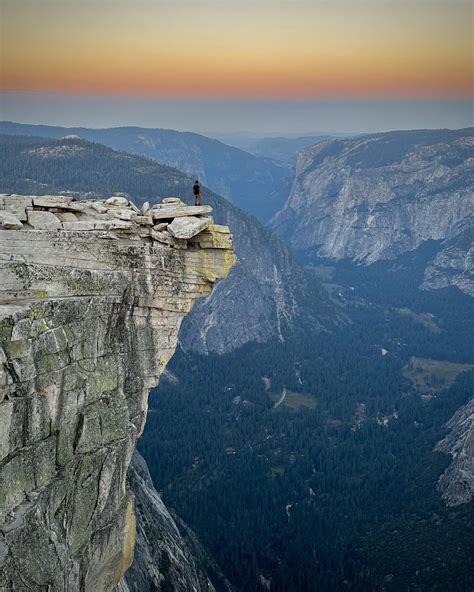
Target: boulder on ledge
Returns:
[186, 228]
[52, 201]
[117, 200]
[9, 221]
[43, 220]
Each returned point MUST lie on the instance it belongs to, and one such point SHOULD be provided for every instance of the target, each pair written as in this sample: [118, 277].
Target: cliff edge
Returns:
[92, 295]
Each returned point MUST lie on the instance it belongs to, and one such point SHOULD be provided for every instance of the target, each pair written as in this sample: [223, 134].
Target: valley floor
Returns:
[310, 465]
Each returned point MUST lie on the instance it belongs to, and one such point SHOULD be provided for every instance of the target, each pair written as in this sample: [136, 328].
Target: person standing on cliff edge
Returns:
[197, 193]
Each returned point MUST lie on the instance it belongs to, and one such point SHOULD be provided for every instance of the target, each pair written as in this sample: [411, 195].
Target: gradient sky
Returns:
[240, 49]
[357, 50]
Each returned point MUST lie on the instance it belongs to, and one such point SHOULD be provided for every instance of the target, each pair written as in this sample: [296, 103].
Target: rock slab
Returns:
[43, 220]
[187, 227]
[9, 221]
[177, 212]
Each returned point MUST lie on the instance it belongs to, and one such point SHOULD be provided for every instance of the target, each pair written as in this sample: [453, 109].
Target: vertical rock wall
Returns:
[456, 484]
[88, 321]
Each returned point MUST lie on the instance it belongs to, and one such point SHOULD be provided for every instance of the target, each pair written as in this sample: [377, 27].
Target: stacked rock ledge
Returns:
[92, 295]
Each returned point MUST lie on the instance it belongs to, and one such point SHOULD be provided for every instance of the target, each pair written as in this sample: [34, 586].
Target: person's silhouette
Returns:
[197, 193]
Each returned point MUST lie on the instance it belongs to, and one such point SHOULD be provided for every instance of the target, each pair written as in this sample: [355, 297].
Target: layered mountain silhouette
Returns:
[251, 182]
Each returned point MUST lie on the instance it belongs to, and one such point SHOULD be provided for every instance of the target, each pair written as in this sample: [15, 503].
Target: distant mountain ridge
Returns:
[280, 148]
[252, 183]
[378, 196]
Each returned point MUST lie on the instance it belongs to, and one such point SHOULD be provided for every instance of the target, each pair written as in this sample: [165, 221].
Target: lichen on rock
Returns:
[90, 310]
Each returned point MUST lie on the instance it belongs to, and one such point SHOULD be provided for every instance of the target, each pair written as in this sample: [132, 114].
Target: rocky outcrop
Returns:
[376, 197]
[453, 265]
[90, 307]
[168, 555]
[456, 484]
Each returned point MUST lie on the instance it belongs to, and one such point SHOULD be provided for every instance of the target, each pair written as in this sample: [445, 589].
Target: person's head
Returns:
[197, 182]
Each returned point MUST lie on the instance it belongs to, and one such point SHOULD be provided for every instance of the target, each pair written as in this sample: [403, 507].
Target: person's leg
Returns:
[198, 199]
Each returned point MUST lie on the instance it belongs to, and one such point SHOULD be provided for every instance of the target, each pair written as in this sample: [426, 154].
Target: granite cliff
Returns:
[376, 197]
[92, 295]
[456, 484]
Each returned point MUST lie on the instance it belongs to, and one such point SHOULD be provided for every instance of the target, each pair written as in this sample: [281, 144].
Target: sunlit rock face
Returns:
[376, 197]
[91, 302]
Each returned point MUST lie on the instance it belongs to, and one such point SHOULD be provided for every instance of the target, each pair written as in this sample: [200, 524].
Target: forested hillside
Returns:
[256, 184]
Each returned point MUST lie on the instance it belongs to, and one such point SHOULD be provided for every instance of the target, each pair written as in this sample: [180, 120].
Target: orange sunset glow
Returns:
[261, 49]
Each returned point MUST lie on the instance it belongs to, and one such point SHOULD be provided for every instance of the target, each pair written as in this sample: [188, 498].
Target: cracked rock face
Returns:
[90, 310]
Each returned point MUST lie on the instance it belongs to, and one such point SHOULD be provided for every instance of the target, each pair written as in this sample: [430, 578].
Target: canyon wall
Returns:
[92, 295]
[379, 196]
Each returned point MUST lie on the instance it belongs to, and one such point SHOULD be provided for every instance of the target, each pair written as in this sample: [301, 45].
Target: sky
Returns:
[239, 65]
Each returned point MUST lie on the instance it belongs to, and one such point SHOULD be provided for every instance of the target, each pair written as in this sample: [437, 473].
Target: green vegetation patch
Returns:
[422, 318]
[6, 328]
[336, 293]
[432, 376]
[324, 272]
[83, 282]
[293, 401]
